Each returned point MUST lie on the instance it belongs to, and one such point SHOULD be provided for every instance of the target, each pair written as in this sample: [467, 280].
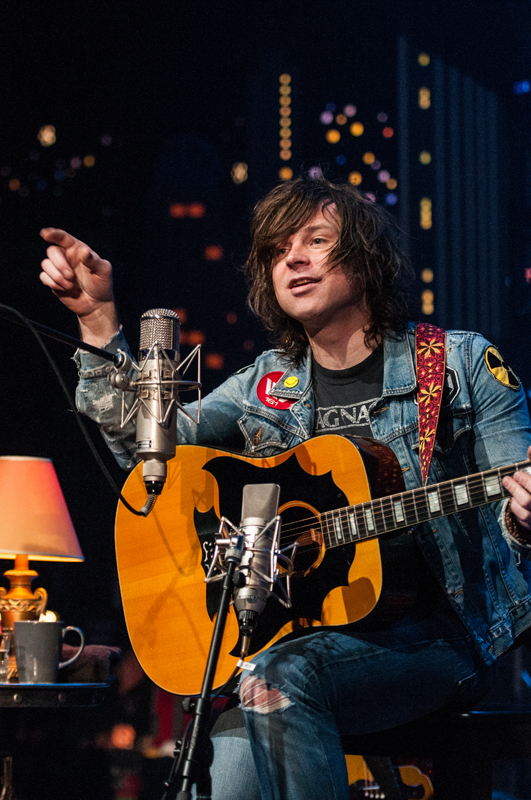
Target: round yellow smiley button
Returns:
[290, 383]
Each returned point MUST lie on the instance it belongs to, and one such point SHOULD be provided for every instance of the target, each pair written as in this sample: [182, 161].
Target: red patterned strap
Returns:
[431, 359]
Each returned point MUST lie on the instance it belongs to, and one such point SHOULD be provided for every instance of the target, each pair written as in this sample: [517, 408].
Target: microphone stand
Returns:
[198, 754]
[199, 751]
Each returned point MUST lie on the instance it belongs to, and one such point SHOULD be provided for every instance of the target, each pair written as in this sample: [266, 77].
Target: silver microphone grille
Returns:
[260, 500]
[160, 325]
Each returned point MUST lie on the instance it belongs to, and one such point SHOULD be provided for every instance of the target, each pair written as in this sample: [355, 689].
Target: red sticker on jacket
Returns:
[265, 386]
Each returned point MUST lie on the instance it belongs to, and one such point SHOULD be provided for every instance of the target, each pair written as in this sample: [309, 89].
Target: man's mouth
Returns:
[301, 282]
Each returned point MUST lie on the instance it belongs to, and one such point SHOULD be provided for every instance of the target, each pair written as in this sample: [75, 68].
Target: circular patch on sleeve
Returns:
[500, 369]
[265, 386]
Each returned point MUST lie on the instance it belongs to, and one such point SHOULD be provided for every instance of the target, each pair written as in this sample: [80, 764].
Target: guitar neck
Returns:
[406, 509]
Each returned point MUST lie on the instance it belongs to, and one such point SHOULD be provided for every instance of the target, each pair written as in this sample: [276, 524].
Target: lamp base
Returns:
[20, 602]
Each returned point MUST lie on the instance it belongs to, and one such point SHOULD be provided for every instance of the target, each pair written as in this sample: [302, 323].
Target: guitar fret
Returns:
[338, 529]
[493, 486]
[369, 518]
[477, 492]
[379, 516]
[410, 508]
[398, 510]
[384, 517]
[325, 530]
[332, 528]
[420, 502]
[461, 494]
[351, 517]
[433, 500]
[360, 522]
[336, 521]
[447, 499]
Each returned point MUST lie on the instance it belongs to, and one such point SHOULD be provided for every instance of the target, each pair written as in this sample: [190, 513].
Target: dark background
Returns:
[167, 96]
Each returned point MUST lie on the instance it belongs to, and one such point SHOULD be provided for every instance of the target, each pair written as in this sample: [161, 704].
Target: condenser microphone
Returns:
[259, 511]
[157, 394]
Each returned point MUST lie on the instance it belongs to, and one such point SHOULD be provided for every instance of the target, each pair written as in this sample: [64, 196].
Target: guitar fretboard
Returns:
[403, 510]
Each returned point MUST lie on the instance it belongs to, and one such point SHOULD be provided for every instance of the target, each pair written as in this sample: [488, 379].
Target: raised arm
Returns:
[83, 282]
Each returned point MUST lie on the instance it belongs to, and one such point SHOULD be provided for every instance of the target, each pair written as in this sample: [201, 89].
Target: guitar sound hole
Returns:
[300, 524]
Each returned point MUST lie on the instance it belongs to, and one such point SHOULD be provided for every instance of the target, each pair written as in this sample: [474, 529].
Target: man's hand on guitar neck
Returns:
[520, 488]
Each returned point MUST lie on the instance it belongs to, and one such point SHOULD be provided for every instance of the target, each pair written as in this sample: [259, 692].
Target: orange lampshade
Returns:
[34, 518]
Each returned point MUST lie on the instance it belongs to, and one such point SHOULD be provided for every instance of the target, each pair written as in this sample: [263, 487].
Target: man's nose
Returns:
[297, 255]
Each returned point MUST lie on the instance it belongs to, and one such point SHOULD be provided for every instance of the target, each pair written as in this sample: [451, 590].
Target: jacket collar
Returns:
[399, 365]
[295, 382]
[399, 371]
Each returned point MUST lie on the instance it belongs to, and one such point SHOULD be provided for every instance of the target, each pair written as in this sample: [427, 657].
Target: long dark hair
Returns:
[368, 249]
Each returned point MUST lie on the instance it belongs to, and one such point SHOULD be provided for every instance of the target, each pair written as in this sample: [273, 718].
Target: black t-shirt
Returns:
[343, 396]
[342, 401]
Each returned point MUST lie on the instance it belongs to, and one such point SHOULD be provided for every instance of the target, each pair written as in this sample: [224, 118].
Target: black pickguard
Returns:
[321, 492]
[296, 485]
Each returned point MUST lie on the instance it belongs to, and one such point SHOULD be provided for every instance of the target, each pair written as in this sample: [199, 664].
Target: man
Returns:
[328, 278]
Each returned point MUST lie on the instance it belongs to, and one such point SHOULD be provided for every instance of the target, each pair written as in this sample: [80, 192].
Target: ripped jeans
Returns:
[303, 694]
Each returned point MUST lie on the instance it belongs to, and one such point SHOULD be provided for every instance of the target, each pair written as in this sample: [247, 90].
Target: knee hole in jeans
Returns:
[257, 696]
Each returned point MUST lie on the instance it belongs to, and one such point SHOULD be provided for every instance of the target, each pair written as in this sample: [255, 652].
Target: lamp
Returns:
[34, 525]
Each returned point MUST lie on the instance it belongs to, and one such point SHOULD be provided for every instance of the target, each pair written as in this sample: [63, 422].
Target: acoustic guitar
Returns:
[342, 499]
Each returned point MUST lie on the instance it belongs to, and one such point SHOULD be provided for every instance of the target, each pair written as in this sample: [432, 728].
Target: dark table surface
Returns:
[52, 695]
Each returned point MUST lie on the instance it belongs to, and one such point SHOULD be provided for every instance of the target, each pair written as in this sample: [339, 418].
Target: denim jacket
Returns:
[483, 423]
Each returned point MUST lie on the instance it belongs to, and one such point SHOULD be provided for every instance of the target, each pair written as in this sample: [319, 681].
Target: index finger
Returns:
[60, 237]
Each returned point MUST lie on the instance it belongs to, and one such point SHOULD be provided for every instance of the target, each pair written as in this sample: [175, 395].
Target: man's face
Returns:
[307, 288]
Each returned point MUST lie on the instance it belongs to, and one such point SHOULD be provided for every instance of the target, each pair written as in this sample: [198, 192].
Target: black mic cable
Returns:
[27, 323]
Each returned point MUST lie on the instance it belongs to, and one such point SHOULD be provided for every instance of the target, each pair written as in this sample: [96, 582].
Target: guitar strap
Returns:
[430, 347]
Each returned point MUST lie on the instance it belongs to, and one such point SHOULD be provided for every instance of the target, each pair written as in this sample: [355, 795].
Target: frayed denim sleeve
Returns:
[522, 550]
[98, 399]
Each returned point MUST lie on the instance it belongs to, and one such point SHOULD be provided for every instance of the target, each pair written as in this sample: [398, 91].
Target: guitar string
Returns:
[475, 483]
[445, 491]
[383, 506]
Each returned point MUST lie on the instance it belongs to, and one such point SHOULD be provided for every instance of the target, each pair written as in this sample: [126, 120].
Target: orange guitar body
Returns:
[162, 558]
[418, 785]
